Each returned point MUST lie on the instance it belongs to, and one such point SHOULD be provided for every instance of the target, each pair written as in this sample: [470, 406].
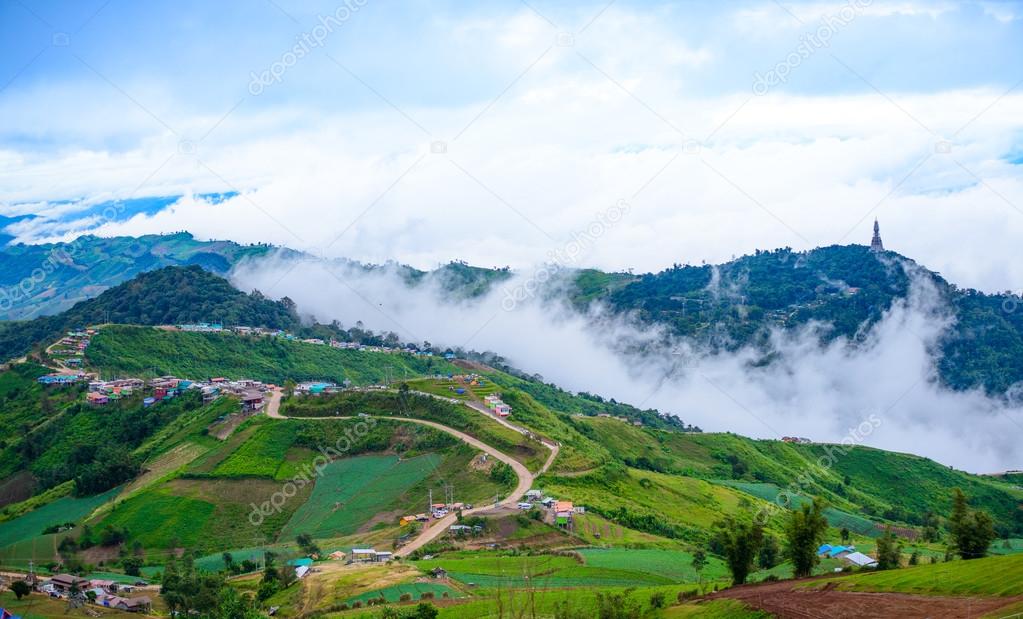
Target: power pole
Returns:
[429, 508]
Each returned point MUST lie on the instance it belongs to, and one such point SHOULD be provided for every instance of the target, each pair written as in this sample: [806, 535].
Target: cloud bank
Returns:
[811, 390]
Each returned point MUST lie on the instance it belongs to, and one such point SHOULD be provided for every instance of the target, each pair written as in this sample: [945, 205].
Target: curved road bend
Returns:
[438, 527]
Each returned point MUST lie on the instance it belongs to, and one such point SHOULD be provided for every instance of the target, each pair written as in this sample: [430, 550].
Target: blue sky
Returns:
[546, 113]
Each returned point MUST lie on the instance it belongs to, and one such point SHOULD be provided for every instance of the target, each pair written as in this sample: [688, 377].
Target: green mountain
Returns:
[38, 280]
[46, 279]
[847, 287]
[172, 295]
[719, 307]
[127, 484]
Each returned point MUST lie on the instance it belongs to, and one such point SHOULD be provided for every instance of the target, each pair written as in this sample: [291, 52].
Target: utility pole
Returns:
[429, 508]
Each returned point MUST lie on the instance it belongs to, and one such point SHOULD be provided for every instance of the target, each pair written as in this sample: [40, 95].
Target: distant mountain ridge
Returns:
[46, 279]
[717, 307]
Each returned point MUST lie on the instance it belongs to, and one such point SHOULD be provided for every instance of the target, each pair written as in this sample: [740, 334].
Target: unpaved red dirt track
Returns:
[783, 599]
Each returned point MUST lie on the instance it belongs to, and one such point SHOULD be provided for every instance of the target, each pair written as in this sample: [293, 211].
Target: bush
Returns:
[405, 597]
[657, 600]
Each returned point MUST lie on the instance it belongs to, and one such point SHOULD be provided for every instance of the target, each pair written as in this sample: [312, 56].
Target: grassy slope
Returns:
[129, 350]
[991, 576]
[881, 482]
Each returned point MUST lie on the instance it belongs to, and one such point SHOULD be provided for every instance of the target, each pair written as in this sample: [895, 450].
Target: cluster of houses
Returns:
[204, 327]
[561, 511]
[847, 554]
[60, 379]
[101, 592]
[494, 403]
[795, 439]
[72, 346]
[369, 555]
[250, 392]
[103, 391]
[319, 388]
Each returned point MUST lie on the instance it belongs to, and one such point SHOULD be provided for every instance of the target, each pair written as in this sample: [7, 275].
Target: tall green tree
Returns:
[889, 552]
[769, 553]
[804, 533]
[739, 541]
[972, 530]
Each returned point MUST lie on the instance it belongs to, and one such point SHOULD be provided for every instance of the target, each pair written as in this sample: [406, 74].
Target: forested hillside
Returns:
[847, 287]
[172, 295]
[37, 280]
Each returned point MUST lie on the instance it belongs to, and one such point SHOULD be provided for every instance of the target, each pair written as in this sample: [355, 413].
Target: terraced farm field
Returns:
[23, 538]
[552, 572]
[352, 490]
[673, 564]
[261, 455]
[414, 589]
[65, 509]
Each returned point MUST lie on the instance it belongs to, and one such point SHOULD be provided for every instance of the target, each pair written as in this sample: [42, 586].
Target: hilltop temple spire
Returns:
[875, 243]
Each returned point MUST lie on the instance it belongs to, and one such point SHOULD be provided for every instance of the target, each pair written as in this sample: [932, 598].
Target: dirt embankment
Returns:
[786, 600]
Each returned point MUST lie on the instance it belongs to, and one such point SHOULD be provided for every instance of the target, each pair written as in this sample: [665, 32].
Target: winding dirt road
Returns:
[438, 527]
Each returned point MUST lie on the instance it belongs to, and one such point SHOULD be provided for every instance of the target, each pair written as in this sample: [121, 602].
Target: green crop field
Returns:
[40, 549]
[415, 589]
[181, 519]
[1007, 546]
[65, 509]
[352, 490]
[991, 576]
[207, 514]
[215, 562]
[261, 455]
[675, 565]
[494, 572]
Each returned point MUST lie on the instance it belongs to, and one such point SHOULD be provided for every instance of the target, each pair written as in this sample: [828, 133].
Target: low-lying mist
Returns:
[881, 392]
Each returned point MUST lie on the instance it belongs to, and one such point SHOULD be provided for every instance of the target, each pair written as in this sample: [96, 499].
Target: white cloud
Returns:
[810, 390]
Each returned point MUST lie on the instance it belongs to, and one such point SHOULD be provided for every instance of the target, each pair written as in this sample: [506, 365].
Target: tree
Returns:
[132, 566]
[888, 552]
[306, 543]
[740, 542]
[769, 552]
[972, 530]
[425, 611]
[228, 561]
[804, 533]
[845, 535]
[20, 588]
[699, 561]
